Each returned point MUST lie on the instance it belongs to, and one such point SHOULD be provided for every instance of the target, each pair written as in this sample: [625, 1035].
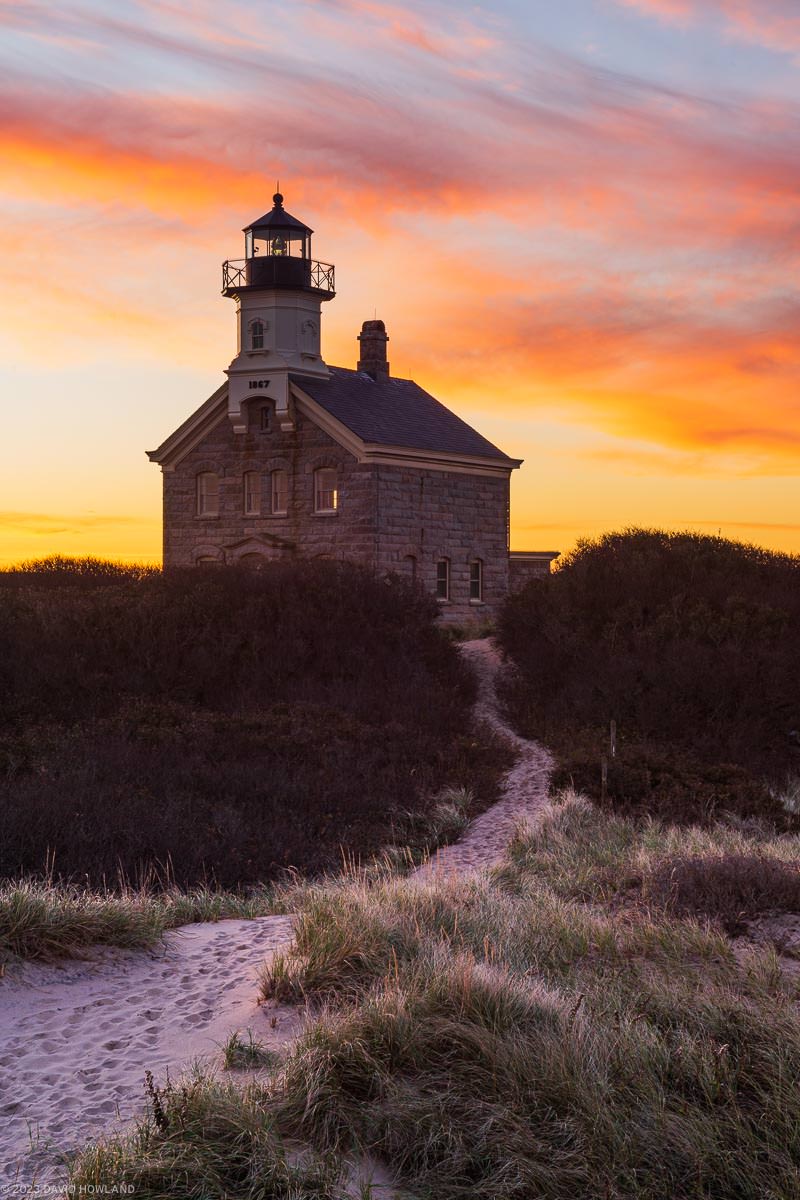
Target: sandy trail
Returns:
[524, 790]
[77, 1037]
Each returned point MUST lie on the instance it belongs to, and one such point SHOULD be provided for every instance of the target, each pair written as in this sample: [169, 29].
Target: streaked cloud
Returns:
[772, 23]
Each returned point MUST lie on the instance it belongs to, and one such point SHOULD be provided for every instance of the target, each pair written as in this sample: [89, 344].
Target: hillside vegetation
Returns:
[221, 724]
[563, 1027]
[692, 645]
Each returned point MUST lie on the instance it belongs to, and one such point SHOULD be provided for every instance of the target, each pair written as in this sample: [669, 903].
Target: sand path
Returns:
[77, 1037]
[524, 789]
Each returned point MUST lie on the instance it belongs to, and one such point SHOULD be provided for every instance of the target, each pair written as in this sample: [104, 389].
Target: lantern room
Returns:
[278, 255]
[277, 234]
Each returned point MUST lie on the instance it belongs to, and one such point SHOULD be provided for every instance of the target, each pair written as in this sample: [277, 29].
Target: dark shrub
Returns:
[730, 888]
[230, 723]
[680, 787]
[690, 643]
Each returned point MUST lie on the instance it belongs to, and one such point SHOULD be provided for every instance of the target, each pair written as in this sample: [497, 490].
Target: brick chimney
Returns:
[373, 339]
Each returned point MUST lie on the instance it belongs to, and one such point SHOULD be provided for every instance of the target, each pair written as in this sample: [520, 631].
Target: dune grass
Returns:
[44, 920]
[242, 1053]
[556, 1028]
[205, 1139]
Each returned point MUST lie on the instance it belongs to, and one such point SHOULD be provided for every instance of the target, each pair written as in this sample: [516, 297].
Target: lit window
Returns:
[443, 579]
[257, 335]
[476, 579]
[266, 419]
[326, 491]
[280, 491]
[207, 494]
[252, 492]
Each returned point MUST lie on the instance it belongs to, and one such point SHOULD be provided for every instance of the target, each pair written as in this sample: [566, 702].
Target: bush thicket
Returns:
[690, 643]
[225, 722]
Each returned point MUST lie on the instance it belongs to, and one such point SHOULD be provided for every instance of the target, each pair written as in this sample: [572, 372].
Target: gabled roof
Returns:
[396, 412]
[390, 420]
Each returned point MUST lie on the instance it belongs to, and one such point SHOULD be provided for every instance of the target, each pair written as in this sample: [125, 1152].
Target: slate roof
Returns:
[396, 412]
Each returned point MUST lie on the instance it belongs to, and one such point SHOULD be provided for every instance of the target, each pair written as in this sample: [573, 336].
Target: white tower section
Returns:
[279, 290]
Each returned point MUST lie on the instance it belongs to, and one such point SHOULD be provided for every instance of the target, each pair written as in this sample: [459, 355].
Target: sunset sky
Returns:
[579, 219]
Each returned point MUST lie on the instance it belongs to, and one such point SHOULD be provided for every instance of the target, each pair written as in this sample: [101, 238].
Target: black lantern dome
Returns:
[278, 255]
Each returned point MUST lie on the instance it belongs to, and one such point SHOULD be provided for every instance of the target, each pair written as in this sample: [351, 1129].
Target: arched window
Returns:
[252, 493]
[256, 562]
[410, 562]
[326, 490]
[256, 335]
[207, 494]
[443, 579]
[476, 580]
[280, 491]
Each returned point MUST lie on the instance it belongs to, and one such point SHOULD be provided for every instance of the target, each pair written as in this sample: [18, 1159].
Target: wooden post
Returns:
[603, 778]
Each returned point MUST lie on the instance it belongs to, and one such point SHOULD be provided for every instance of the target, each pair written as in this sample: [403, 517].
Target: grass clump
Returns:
[206, 1140]
[691, 644]
[246, 1053]
[47, 920]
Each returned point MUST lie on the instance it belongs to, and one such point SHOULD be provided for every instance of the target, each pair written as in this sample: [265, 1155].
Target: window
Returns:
[207, 494]
[476, 580]
[252, 492]
[326, 492]
[280, 491]
[206, 560]
[266, 419]
[443, 579]
[256, 335]
[410, 562]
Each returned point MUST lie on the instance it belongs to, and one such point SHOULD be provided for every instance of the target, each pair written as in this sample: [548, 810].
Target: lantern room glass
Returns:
[277, 243]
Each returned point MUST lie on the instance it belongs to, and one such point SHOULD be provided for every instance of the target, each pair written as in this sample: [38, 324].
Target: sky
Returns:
[579, 220]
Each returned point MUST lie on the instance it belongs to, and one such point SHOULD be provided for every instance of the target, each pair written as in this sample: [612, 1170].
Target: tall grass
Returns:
[553, 1029]
[47, 920]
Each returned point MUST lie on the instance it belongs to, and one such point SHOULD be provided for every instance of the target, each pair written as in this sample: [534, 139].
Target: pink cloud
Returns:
[772, 23]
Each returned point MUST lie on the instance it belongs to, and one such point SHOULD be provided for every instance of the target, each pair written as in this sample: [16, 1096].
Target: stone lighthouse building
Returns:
[292, 458]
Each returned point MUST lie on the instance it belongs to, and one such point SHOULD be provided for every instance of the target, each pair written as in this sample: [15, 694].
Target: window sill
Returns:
[477, 603]
[326, 512]
[443, 600]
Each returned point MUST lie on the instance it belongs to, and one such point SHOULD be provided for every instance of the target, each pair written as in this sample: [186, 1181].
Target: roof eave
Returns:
[187, 435]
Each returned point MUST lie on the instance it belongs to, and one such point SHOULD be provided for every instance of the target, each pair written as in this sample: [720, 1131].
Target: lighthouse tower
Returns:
[279, 290]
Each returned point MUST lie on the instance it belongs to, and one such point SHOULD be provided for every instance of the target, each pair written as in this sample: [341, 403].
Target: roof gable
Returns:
[391, 420]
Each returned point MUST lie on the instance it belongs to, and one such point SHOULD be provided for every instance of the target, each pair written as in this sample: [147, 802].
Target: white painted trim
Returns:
[192, 431]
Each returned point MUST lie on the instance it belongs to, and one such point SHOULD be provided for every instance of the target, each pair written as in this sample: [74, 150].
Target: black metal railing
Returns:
[277, 271]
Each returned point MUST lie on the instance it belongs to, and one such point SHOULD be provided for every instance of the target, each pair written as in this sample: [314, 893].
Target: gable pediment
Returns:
[258, 543]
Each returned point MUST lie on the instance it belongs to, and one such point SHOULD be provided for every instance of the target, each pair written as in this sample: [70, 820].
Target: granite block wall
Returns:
[228, 537]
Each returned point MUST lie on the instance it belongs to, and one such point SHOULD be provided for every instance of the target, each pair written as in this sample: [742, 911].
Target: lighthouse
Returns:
[279, 290]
